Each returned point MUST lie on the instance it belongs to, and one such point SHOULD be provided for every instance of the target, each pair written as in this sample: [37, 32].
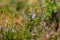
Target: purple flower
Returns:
[35, 30]
[33, 15]
[47, 36]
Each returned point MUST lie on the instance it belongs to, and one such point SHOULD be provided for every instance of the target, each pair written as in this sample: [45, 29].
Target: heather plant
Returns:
[28, 20]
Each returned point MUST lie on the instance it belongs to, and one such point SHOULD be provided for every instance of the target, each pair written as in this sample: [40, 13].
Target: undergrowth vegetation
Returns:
[29, 20]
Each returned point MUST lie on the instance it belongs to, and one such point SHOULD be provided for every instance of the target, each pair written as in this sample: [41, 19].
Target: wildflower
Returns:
[47, 36]
[13, 30]
[35, 30]
[33, 15]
